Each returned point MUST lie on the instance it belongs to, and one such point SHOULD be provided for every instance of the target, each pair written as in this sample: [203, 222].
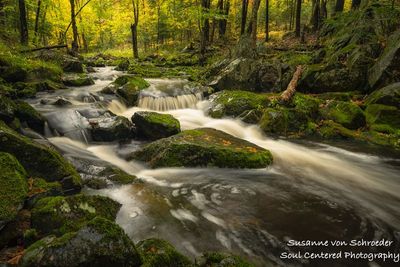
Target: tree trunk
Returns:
[23, 22]
[291, 89]
[298, 18]
[134, 25]
[75, 45]
[204, 31]
[339, 6]
[355, 4]
[324, 10]
[291, 14]
[252, 27]
[39, 4]
[85, 44]
[245, 6]
[266, 20]
[315, 16]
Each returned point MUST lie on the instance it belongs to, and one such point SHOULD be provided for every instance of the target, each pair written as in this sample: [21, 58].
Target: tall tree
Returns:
[266, 20]
[339, 6]
[223, 8]
[324, 10]
[134, 26]
[75, 45]
[298, 18]
[252, 27]
[23, 21]
[245, 6]
[316, 15]
[204, 29]
[39, 5]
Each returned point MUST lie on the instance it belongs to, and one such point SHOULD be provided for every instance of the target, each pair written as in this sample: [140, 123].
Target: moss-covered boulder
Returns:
[382, 118]
[39, 160]
[160, 253]
[26, 113]
[217, 259]
[13, 188]
[389, 95]
[332, 130]
[71, 64]
[77, 80]
[153, 126]
[13, 74]
[129, 88]
[60, 215]
[203, 147]
[7, 109]
[117, 175]
[111, 129]
[347, 114]
[235, 103]
[99, 243]
[284, 121]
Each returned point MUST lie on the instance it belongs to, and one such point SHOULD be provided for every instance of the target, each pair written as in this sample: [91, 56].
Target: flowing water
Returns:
[313, 191]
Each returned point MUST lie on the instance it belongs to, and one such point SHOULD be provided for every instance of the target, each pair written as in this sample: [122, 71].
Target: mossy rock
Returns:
[389, 95]
[7, 109]
[26, 113]
[204, 147]
[71, 64]
[129, 88]
[60, 215]
[160, 253]
[117, 175]
[39, 160]
[154, 125]
[284, 121]
[382, 118]
[77, 80]
[347, 114]
[217, 259]
[332, 130]
[123, 65]
[13, 74]
[307, 103]
[100, 243]
[25, 90]
[234, 103]
[13, 187]
[112, 129]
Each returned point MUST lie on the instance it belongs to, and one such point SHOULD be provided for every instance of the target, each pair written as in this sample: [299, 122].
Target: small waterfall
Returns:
[47, 131]
[164, 103]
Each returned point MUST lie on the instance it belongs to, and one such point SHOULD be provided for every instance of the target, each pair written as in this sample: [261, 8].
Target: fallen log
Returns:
[44, 48]
[291, 89]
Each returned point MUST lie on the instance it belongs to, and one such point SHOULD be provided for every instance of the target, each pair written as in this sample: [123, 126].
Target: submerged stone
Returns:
[154, 125]
[204, 147]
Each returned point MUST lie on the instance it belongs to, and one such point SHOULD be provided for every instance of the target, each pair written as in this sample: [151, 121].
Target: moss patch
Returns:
[346, 113]
[154, 125]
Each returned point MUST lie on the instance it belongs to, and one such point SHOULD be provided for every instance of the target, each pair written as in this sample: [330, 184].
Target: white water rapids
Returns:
[312, 190]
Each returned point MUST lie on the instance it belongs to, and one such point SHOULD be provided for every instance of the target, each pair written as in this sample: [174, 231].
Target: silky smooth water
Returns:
[313, 191]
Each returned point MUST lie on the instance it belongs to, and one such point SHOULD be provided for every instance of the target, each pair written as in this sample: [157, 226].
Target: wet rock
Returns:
[235, 103]
[13, 74]
[157, 252]
[13, 188]
[71, 64]
[389, 95]
[154, 125]
[61, 102]
[13, 233]
[7, 109]
[30, 116]
[123, 65]
[203, 147]
[129, 88]
[99, 243]
[60, 215]
[25, 90]
[111, 128]
[117, 175]
[39, 160]
[95, 183]
[76, 80]
[347, 114]
[90, 69]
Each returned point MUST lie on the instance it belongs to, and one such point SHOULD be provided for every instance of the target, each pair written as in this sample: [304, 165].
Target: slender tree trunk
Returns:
[75, 45]
[324, 10]
[355, 4]
[224, 22]
[292, 8]
[339, 6]
[23, 22]
[220, 7]
[203, 31]
[39, 4]
[315, 16]
[252, 27]
[266, 20]
[245, 6]
[2, 14]
[134, 25]
[298, 18]
[85, 44]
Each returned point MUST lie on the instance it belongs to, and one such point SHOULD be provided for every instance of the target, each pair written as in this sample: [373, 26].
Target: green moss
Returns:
[160, 253]
[7, 109]
[26, 113]
[30, 237]
[77, 80]
[60, 215]
[129, 87]
[154, 125]
[284, 121]
[332, 130]
[13, 187]
[234, 103]
[39, 160]
[346, 113]
[204, 147]
[307, 103]
[117, 175]
[216, 259]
